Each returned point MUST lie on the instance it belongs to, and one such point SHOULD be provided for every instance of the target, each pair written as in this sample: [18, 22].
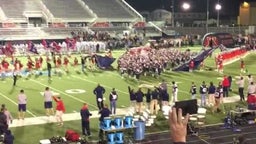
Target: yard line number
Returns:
[75, 91]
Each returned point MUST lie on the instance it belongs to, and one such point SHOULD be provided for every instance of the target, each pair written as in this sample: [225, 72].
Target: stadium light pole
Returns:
[173, 21]
[218, 8]
[207, 15]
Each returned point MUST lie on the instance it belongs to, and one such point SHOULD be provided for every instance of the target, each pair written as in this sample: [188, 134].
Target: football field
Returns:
[77, 88]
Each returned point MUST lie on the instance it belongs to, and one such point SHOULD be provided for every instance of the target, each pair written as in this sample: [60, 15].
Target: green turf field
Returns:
[109, 79]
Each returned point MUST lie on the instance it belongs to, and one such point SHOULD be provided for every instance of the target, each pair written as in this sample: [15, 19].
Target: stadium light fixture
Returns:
[218, 8]
[186, 6]
[245, 4]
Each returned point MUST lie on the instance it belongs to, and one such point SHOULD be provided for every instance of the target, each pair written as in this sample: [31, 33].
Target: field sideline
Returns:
[87, 82]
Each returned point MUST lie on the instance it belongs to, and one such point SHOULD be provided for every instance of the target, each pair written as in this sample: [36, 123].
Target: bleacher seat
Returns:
[109, 9]
[67, 9]
[15, 9]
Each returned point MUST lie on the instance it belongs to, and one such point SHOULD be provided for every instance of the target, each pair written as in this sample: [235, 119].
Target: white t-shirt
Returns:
[22, 98]
[48, 96]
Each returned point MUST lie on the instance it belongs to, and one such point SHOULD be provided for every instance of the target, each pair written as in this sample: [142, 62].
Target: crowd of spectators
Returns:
[172, 42]
[147, 60]
[85, 41]
[112, 42]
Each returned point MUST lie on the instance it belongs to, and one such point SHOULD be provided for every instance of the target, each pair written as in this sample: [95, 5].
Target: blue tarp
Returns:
[197, 60]
[104, 62]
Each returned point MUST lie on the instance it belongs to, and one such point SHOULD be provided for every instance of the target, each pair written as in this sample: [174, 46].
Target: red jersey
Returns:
[242, 64]
[191, 64]
[5, 65]
[30, 65]
[66, 61]
[59, 61]
[225, 82]
[251, 99]
[38, 64]
[17, 66]
[59, 104]
[220, 63]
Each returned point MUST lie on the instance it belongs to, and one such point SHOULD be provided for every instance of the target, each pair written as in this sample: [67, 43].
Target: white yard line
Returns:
[66, 117]
[77, 99]
[100, 84]
[16, 103]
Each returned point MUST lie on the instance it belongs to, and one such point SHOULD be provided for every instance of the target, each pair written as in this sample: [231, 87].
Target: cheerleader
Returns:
[93, 62]
[220, 65]
[66, 61]
[58, 62]
[30, 65]
[242, 66]
[75, 62]
[38, 64]
[17, 66]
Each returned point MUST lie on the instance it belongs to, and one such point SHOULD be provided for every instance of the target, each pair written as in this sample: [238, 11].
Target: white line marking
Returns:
[15, 103]
[97, 83]
[64, 93]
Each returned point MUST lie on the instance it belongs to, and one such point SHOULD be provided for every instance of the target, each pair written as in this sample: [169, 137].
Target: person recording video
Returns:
[178, 126]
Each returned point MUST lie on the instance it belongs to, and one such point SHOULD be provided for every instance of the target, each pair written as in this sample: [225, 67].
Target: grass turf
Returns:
[109, 79]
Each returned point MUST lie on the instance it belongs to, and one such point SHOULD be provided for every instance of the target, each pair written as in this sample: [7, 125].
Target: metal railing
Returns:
[202, 30]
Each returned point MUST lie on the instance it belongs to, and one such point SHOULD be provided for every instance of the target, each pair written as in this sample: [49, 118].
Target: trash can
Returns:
[111, 138]
[139, 130]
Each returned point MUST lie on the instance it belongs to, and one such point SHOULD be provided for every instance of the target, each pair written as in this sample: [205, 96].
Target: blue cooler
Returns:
[128, 121]
[118, 122]
[139, 130]
[106, 123]
[119, 138]
[111, 138]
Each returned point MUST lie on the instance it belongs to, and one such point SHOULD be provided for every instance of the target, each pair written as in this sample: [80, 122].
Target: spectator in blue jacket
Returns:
[139, 100]
[154, 101]
[99, 91]
[211, 94]
[132, 97]
[148, 98]
[105, 112]
[85, 118]
[8, 137]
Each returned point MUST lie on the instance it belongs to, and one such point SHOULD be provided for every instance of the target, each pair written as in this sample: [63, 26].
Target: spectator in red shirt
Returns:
[225, 84]
[60, 109]
[251, 100]
[191, 65]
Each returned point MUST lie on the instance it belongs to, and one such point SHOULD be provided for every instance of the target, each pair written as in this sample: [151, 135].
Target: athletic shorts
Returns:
[47, 104]
[59, 113]
[22, 107]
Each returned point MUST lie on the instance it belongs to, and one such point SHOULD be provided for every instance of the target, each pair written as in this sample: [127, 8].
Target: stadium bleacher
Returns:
[67, 9]
[18, 32]
[110, 9]
[58, 18]
[62, 31]
[15, 9]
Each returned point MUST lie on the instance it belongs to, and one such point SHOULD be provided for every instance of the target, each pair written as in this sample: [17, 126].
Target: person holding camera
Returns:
[178, 126]
[85, 118]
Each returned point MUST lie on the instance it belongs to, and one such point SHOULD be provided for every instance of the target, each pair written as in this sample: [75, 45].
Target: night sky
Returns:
[230, 8]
